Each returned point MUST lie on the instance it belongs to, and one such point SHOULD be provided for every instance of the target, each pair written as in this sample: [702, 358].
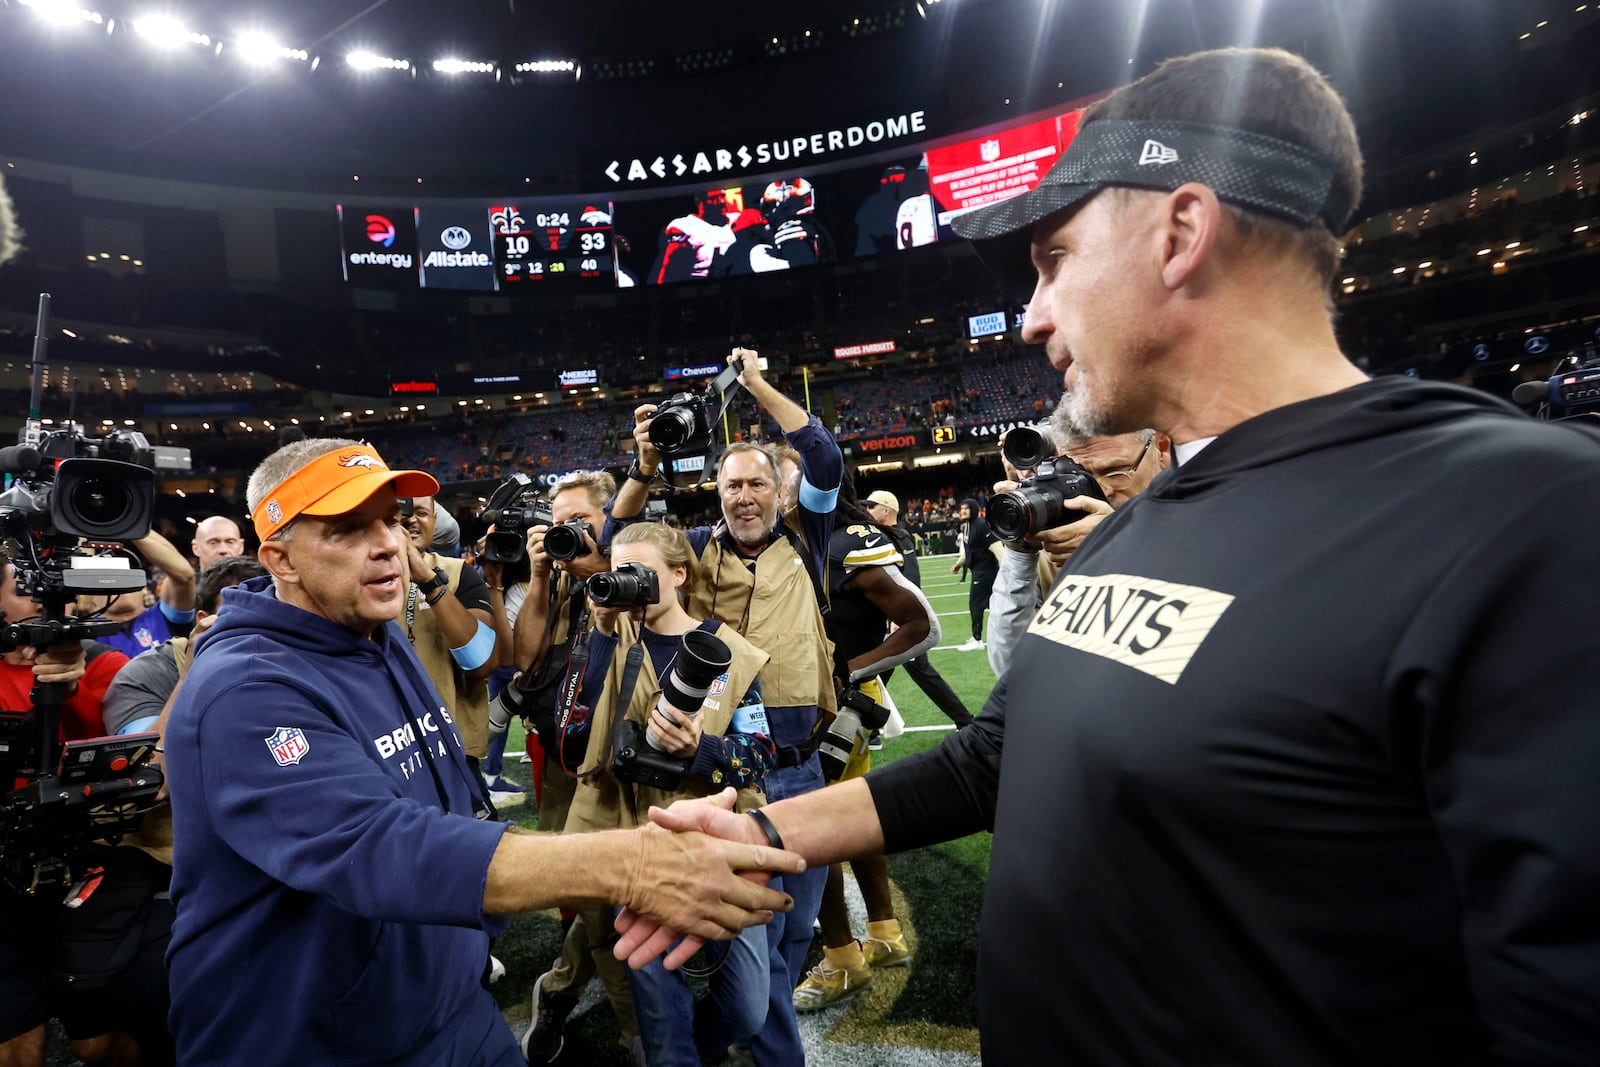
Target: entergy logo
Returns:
[288, 745]
[455, 238]
[1157, 153]
[380, 231]
[990, 150]
[361, 459]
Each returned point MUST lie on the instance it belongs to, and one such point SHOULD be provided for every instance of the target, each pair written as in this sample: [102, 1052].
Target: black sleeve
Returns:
[472, 590]
[947, 792]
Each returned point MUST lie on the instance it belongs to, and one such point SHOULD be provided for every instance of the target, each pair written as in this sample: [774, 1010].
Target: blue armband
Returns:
[139, 726]
[821, 501]
[172, 614]
[476, 652]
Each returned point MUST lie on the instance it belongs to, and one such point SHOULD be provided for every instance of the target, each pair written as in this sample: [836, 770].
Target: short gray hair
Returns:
[277, 467]
[750, 446]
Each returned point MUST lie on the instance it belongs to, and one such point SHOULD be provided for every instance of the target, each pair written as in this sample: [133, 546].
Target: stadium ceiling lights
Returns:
[362, 60]
[165, 31]
[261, 50]
[547, 66]
[462, 66]
[62, 12]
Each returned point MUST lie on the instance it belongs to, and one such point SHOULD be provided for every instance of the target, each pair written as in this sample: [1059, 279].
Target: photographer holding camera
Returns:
[143, 627]
[456, 622]
[764, 578]
[670, 716]
[30, 947]
[1123, 466]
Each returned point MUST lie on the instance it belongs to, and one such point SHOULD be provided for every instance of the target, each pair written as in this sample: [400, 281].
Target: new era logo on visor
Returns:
[1157, 153]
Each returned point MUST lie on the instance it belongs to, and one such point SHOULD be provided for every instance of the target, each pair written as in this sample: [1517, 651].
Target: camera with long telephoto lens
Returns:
[857, 718]
[1038, 502]
[70, 502]
[632, 585]
[516, 506]
[702, 658]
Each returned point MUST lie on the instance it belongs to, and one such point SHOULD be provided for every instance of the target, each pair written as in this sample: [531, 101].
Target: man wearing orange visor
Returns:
[335, 893]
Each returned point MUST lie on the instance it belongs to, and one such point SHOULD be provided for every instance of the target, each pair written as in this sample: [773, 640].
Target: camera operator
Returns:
[144, 628]
[883, 508]
[329, 862]
[215, 538]
[550, 625]
[879, 621]
[29, 942]
[1123, 465]
[763, 578]
[723, 742]
[456, 622]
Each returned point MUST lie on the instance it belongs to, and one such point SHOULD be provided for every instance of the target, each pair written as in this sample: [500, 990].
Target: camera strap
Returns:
[630, 682]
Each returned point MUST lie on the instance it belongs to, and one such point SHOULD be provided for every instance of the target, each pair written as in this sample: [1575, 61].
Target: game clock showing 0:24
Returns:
[565, 244]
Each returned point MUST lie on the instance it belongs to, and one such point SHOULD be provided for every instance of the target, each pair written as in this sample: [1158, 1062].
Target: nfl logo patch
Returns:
[288, 745]
[718, 686]
[274, 512]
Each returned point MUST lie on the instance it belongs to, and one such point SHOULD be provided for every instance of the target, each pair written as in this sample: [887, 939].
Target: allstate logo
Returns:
[455, 238]
[1535, 345]
[380, 231]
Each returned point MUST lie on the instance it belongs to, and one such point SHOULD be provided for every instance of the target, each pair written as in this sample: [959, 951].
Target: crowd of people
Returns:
[1275, 790]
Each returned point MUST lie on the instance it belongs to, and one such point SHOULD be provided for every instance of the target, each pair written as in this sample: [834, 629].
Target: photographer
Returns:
[1123, 465]
[549, 627]
[330, 863]
[763, 577]
[456, 622]
[144, 628]
[30, 959]
[724, 742]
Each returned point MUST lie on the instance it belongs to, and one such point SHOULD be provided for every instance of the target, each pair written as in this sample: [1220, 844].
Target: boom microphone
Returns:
[19, 458]
[1530, 393]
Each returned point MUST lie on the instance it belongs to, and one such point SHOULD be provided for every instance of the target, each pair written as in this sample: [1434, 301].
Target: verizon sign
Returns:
[891, 443]
[876, 348]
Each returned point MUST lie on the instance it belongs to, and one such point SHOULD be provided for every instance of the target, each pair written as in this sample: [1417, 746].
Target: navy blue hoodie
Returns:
[328, 875]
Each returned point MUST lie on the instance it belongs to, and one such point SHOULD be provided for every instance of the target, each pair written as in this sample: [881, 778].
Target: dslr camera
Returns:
[1038, 503]
[516, 506]
[701, 659]
[857, 718]
[683, 424]
[632, 585]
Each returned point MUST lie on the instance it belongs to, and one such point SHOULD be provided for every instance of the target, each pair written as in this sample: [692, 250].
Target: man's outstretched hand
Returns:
[645, 937]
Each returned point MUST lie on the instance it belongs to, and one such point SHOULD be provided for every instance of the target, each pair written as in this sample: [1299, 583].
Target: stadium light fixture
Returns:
[62, 12]
[547, 66]
[462, 66]
[363, 60]
[166, 31]
[260, 50]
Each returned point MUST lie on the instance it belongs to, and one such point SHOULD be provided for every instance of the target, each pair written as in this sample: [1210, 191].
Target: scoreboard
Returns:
[562, 244]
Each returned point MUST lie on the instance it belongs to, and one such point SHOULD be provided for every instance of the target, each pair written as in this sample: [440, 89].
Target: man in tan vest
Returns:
[457, 624]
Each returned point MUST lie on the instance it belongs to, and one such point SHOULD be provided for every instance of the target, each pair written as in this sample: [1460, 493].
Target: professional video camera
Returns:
[1038, 502]
[1567, 394]
[684, 423]
[636, 757]
[632, 585]
[858, 716]
[69, 500]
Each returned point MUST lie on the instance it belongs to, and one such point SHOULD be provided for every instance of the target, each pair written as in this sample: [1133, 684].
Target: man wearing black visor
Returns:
[1298, 761]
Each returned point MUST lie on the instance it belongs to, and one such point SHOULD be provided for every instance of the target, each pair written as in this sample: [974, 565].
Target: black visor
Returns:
[1245, 169]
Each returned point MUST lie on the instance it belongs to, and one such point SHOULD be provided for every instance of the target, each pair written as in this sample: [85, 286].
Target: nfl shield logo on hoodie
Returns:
[288, 745]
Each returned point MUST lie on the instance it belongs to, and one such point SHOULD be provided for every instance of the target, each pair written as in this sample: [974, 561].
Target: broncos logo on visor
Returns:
[361, 459]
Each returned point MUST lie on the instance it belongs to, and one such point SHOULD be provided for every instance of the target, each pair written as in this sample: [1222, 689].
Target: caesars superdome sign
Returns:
[802, 148]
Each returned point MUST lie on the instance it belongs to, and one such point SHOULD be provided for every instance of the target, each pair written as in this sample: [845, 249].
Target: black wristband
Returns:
[637, 474]
[774, 838]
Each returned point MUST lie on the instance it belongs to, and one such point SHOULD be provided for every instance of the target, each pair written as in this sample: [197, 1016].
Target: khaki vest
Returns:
[1047, 573]
[466, 699]
[604, 803]
[773, 608]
